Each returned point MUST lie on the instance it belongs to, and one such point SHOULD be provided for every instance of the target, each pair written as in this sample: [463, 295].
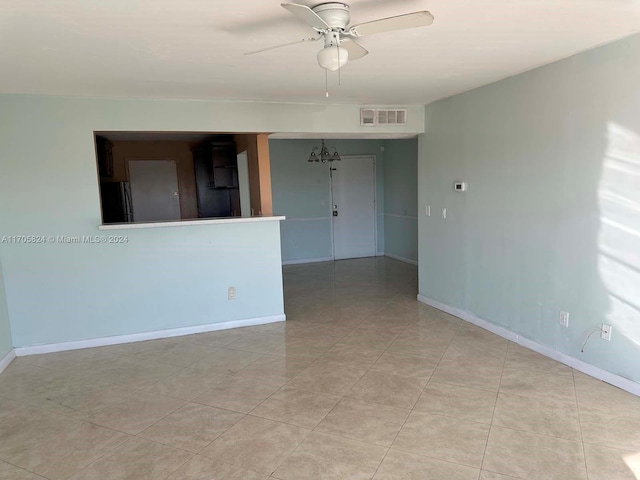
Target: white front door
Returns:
[154, 190]
[354, 209]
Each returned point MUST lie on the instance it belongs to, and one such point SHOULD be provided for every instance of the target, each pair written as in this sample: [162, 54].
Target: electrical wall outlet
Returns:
[564, 319]
[444, 213]
[231, 294]
[605, 332]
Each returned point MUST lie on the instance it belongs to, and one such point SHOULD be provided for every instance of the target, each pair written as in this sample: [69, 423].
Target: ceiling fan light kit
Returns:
[333, 56]
[330, 21]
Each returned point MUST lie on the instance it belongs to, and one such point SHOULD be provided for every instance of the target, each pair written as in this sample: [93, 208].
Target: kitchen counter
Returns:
[188, 223]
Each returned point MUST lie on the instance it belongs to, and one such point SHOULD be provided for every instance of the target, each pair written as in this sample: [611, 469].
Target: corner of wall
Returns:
[7, 359]
[7, 352]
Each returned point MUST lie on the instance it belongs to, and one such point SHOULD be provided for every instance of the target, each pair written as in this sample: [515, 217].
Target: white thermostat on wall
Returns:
[460, 186]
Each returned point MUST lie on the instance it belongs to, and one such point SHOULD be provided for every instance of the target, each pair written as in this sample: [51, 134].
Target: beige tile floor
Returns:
[361, 382]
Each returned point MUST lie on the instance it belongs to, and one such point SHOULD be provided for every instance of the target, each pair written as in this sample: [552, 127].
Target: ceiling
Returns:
[194, 48]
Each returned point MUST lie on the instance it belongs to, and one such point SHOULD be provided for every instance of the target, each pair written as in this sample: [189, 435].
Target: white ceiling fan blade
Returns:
[285, 45]
[307, 15]
[355, 50]
[401, 22]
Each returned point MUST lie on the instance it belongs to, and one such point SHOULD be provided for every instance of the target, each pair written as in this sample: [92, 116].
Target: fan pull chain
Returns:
[339, 67]
[326, 83]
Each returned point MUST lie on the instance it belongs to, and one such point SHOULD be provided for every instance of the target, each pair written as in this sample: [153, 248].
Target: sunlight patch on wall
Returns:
[619, 238]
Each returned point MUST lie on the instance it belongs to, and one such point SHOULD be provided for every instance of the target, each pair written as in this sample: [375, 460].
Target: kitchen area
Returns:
[160, 177]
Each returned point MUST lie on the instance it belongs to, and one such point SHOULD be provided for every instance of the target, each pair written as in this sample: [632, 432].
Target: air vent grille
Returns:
[373, 117]
[367, 116]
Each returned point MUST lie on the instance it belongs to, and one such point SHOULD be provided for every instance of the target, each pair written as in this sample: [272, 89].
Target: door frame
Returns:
[372, 156]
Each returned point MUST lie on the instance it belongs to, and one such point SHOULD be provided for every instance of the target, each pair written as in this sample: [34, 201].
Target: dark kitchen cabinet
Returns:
[216, 169]
[104, 152]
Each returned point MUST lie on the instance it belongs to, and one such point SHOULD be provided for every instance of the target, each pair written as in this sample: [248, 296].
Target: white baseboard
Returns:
[401, 259]
[584, 367]
[8, 358]
[330, 259]
[139, 337]
[307, 260]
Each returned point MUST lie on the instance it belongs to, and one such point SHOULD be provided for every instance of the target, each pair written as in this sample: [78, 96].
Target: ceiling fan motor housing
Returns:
[335, 14]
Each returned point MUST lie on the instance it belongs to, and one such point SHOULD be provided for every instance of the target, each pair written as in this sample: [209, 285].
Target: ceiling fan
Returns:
[331, 22]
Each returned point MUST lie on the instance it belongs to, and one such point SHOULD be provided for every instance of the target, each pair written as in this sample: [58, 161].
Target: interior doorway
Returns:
[154, 190]
[353, 200]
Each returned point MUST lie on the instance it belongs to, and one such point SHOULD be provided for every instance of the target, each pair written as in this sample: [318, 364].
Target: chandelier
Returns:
[324, 155]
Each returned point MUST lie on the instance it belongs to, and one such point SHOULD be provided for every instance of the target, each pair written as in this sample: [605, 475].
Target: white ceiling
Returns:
[193, 48]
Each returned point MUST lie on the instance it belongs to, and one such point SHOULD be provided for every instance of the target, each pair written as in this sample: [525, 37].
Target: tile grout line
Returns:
[495, 406]
[459, 327]
[408, 415]
[584, 451]
[427, 384]
[25, 469]
[342, 397]
[313, 429]
[414, 404]
[78, 422]
[365, 373]
[250, 413]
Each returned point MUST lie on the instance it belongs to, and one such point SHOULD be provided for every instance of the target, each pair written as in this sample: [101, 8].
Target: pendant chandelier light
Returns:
[324, 155]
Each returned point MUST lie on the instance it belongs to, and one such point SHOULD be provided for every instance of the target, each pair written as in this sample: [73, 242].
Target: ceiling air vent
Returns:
[367, 116]
[373, 117]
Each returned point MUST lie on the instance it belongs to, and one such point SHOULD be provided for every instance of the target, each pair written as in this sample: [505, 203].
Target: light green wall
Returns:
[401, 198]
[6, 343]
[551, 220]
[162, 278]
[301, 192]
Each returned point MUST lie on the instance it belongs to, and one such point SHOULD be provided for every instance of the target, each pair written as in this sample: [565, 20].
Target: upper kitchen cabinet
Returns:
[104, 154]
[216, 170]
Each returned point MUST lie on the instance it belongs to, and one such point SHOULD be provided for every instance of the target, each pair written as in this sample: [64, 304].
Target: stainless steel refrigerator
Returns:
[116, 202]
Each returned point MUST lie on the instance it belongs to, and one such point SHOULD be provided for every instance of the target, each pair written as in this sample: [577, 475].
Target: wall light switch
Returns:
[444, 213]
[427, 210]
